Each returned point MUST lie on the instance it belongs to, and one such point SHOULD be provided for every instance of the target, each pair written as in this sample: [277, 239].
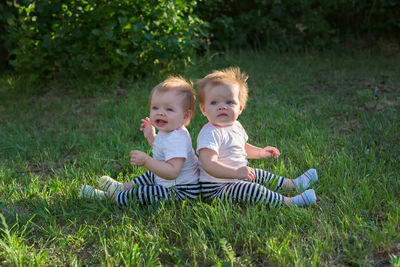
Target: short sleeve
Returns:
[175, 145]
[208, 139]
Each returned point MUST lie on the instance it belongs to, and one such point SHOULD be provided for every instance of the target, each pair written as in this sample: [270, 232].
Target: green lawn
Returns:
[336, 113]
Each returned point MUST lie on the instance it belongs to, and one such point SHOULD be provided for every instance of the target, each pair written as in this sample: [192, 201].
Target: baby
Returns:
[173, 169]
[223, 149]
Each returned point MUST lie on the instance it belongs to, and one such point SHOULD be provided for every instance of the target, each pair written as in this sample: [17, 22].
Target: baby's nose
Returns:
[222, 107]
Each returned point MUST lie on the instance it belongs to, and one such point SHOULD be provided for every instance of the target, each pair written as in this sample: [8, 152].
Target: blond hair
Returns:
[226, 76]
[183, 88]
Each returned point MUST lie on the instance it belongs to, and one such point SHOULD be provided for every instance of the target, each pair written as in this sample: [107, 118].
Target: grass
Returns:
[336, 113]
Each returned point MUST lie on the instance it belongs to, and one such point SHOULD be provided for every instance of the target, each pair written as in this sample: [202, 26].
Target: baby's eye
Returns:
[154, 108]
[213, 102]
[170, 109]
[229, 102]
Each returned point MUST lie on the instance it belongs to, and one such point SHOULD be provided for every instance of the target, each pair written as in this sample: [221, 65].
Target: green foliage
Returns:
[8, 14]
[378, 18]
[277, 25]
[43, 40]
[297, 24]
[88, 37]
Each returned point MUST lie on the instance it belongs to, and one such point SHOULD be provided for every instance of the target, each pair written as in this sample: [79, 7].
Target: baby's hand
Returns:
[246, 173]
[138, 158]
[147, 129]
[270, 151]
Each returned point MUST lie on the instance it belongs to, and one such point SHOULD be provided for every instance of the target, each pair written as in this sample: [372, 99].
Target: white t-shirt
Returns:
[176, 144]
[229, 143]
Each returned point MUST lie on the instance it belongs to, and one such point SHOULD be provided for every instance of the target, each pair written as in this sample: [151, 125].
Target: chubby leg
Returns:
[145, 194]
[248, 192]
[264, 177]
[146, 191]
[242, 191]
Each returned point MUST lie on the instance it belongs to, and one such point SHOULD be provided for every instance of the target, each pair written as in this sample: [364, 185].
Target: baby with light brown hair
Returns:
[223, 148]
[173, 169]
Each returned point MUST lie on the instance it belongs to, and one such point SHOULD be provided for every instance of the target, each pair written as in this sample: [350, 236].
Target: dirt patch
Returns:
[50, 96]
[348, 126]
[383, 256]
[12, 209]
[381, 105]
[47, 168]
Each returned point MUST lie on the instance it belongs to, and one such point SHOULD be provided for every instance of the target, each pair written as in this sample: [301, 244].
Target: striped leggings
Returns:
[146, 191]
[245, 191]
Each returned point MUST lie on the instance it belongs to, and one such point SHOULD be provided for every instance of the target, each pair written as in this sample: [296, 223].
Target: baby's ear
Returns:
[188, 114]
[240, 109]
[202, 108]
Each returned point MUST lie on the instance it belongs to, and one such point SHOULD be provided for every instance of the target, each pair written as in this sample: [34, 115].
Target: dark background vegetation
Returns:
[55, 39]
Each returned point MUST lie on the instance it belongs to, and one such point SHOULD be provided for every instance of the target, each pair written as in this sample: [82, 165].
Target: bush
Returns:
[276, 25]
[297, 24]
[100, 37]
[8, 14]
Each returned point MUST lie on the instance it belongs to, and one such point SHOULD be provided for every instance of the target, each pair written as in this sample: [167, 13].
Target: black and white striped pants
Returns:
[245, 191]
[146, 191]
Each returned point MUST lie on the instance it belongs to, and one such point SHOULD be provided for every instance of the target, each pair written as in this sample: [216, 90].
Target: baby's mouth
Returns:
[222, 115]
[161, 123]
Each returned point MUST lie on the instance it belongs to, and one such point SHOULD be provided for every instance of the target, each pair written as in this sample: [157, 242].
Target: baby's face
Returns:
[221, 104]
[166, 111]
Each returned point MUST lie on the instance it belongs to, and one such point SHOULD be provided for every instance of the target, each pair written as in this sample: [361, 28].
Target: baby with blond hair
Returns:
[223, 148]
[173, 170]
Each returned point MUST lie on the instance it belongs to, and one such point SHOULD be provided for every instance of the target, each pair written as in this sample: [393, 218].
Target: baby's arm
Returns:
[148, 130]
[168, 170]
[209, 162]
[254, 152]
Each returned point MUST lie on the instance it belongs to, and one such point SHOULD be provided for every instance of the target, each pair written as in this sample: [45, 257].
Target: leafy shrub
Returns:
[97, 37]
[7, 18]
[277, 25]
[296, 24]
[378, 18]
